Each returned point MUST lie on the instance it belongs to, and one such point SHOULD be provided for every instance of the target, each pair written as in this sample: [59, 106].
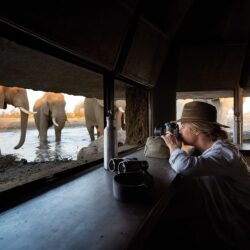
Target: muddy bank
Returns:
[17, 173]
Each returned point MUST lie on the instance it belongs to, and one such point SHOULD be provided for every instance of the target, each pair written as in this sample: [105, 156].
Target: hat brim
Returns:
[197, 120]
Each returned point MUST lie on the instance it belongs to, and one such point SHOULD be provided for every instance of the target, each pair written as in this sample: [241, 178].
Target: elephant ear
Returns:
[100, 102]
[46, 108]
[2, 104]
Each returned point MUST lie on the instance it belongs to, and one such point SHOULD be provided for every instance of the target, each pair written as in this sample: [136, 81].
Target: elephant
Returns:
[94, 115]
[50, 110]
[18, 98]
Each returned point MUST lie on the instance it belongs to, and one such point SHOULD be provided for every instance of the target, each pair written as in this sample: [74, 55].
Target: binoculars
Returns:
[126, 165]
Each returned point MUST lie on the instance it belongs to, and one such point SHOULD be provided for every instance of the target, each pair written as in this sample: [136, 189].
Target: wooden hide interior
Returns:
[164, 46]
[147, 52]
[136, 118]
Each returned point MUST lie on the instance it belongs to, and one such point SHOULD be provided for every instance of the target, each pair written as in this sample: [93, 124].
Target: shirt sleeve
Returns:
[179, 160]
[212, 163]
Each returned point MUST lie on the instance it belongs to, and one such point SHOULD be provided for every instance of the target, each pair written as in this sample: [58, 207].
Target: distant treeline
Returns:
[17, 115]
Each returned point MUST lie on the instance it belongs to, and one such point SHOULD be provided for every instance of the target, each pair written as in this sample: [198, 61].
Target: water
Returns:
[72, 140]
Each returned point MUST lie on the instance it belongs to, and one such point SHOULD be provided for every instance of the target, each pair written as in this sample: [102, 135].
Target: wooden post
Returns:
[108, 84]
[238, 115]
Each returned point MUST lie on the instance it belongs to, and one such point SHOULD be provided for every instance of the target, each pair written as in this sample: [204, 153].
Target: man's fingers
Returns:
[164, 138]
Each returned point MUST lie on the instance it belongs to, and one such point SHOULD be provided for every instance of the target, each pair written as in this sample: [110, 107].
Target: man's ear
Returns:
[196, 132]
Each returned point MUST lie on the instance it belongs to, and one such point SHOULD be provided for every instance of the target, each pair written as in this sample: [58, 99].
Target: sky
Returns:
[71, 101]
[246, 105]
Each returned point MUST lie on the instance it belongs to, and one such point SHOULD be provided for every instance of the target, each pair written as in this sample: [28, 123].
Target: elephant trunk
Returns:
[24, 123]
[58, 135]
[59, 124]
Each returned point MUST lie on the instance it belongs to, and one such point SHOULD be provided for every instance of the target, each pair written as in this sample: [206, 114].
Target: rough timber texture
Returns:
[136, 116]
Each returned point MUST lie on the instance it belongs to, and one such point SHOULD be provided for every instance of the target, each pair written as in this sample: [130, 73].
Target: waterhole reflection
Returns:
[45, 152]
[73, 139]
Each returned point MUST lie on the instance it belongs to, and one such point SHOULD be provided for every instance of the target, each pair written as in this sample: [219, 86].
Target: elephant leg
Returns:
[123, 121]
[100, 126]
[90, 128]
[118, 120]
[37, 125]
[91, 133]
[98, 131]
[43, 129]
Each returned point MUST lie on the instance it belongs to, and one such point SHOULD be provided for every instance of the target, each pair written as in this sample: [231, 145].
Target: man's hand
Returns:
[170, 141]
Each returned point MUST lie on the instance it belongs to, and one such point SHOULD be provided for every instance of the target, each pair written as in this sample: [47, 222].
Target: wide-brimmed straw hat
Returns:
[200, 112]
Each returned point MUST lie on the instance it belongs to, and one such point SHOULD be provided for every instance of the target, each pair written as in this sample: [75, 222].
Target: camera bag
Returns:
[156, 148]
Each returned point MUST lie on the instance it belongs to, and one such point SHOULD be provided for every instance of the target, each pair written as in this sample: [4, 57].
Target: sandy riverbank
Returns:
[14, 123]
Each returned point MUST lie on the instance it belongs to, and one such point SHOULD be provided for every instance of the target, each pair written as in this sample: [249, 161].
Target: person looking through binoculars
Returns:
[220, 172]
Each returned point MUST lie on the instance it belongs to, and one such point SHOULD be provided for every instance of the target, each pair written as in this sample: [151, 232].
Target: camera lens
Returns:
[158, 131]
[172, 127]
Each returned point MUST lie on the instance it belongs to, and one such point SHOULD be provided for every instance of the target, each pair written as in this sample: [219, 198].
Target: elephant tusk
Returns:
[121, 110]
[26, 111]
[54, 121]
